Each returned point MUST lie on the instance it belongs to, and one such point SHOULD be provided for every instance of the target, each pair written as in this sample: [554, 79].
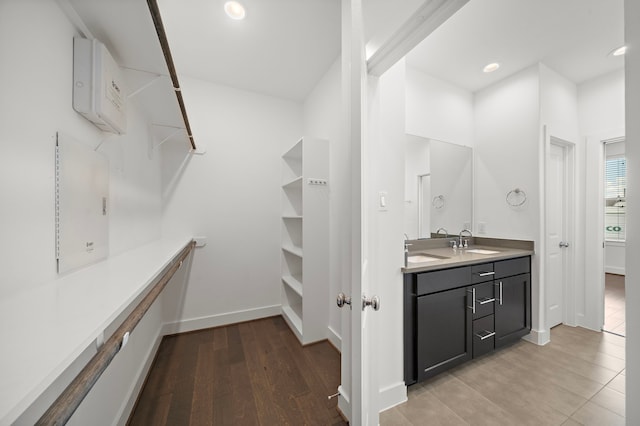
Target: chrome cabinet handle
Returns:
[486, 336]
[473, 298]
[485, 274]
[499, 285]
[486, 300]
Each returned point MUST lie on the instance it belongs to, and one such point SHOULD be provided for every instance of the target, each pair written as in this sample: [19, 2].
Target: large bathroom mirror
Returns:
[438, 188]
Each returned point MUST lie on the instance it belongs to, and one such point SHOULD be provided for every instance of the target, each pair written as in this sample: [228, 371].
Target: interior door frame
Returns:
[593, 315]
[600, 292]
[421, 203]
[570, 224]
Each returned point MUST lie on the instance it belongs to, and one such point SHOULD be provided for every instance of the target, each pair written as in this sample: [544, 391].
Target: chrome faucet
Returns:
[446, 233]
[464, 243]
[406, 250]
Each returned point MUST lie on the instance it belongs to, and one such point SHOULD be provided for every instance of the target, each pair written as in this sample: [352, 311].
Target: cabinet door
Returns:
[512, 308]
[443, 329]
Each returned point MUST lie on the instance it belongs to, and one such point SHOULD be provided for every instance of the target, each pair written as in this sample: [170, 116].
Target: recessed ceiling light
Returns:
[234, 10]
[619, 51]
[491, 67]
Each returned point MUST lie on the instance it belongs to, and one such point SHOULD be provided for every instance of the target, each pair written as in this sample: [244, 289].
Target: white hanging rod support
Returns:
[175, 132]
[144, 71]
[167, 126]
[144, 86]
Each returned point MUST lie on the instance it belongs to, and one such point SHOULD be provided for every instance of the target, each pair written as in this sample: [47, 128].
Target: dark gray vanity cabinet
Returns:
[513, 300]
[453, 315]
[442, 317]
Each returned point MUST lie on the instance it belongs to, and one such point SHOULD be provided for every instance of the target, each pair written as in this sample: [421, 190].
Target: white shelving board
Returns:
[305, 239]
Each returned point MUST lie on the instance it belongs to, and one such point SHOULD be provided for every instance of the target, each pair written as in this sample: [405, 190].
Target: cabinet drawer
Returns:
[508, 268]
[483, 336]
[482, 273]
[484, 299]
[432, 282]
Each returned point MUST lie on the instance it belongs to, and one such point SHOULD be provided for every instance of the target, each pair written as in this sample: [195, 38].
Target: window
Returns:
[615, 192]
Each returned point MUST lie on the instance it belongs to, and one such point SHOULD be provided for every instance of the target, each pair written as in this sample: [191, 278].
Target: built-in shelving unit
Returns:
[305, 239]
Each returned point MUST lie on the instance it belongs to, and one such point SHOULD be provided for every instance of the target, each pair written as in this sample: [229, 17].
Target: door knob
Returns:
[563, 244]
[343, 300]
[374, 302]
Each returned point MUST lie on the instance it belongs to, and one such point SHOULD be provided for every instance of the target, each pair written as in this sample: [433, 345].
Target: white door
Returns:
[556, 226]
[358, 390]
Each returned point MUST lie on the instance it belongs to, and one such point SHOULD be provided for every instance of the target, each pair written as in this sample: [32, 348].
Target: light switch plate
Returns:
[383, 201]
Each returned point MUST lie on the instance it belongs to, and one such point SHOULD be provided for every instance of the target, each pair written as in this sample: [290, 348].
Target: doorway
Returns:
[614, 204]
[559, 230]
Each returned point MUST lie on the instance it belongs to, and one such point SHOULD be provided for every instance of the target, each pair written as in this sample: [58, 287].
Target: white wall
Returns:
[36, 102]
[231, 195]
[438, 110]
[632, 90]
[559, 119]
[507, 156]
[385, 157]
[36, 76]
[322, 118]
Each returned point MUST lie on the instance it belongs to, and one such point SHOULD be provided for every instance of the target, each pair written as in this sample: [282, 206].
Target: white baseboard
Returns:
[618, 270]
[334, 338]
[538, 337]
[220, 319]
[391, 396]
[344, 403]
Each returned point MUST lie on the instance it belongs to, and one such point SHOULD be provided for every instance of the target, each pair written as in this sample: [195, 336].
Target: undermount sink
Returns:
[419, 258]
[481, 251]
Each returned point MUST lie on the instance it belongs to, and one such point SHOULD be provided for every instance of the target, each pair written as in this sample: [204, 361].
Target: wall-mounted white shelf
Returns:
[294, 283]
[297, 251]
[305, 239]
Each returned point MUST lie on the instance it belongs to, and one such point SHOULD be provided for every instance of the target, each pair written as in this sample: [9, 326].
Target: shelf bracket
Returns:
[176, 130]
[144, 86]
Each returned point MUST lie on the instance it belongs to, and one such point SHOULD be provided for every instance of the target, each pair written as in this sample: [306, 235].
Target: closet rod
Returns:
[164, 43]
[63, 408]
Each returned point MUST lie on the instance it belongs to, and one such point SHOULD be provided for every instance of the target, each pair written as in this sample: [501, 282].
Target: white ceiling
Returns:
[572, 37]
[282, 48]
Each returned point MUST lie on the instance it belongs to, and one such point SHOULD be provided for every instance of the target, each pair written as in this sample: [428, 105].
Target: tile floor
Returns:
[614, 304]
[577, 379]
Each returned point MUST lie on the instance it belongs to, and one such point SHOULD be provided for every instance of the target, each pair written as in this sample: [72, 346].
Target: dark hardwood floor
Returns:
[252, 373]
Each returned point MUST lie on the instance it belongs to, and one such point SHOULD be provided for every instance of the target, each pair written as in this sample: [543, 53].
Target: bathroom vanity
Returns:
[461, 304]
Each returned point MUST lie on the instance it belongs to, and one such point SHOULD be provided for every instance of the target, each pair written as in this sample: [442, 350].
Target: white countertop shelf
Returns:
[45, 329]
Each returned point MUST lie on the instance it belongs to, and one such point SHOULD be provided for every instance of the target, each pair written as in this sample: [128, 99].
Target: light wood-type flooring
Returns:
[614, 304]
[252, 373]
[577, 379]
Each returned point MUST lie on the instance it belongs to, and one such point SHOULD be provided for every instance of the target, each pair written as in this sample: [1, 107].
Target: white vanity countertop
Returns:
[45, 329]
[462, 257]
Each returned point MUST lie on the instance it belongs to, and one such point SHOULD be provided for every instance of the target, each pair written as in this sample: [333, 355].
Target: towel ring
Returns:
[516, 197]
[438, 202]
